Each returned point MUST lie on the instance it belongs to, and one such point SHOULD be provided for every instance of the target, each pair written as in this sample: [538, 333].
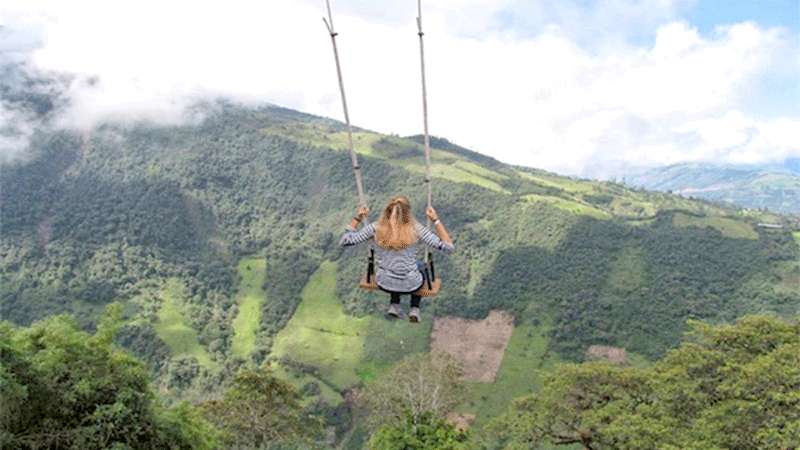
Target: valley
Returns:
[220, 242]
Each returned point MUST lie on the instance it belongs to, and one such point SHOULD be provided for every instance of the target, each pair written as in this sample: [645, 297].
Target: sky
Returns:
[581, 87]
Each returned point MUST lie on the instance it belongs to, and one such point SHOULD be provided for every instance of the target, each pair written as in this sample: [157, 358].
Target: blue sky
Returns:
[707, 14]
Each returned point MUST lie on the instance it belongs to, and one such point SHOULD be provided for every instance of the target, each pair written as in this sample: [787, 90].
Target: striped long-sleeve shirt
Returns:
[397, 269]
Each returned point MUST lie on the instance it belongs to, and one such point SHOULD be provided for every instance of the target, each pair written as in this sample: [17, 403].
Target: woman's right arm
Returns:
[352, 236]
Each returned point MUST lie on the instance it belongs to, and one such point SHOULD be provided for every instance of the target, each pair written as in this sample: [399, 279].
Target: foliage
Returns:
[727, 386]
[421, 387]
[259, 409]
[61, 387]
[679, 273]
[116, 213]
[423, 433]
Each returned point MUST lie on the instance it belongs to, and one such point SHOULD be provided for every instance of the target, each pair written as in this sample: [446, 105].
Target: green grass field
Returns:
[563, 183]
[324, 138]
[569, 205]
[173, 328]
[449, 170]
[731, 228]
[250, 297]
[345, 350]
[524, 363]
[627, 272]
[480, 170]
[796, 235]
[320, 334]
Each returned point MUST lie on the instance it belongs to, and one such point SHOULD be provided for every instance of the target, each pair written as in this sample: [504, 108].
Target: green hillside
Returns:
[220, 239]
[773, 188]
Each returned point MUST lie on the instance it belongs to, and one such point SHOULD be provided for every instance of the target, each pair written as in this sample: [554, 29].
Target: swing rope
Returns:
[427, 140]
[353, 157]
[432, 289]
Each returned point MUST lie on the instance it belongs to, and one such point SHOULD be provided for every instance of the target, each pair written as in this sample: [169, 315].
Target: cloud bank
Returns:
[572, 86]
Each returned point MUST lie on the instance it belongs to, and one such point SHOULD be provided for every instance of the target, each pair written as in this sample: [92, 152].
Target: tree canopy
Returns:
[63, 388]
[726, 387]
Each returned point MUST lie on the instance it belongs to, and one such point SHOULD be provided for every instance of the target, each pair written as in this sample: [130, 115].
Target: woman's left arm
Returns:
[439, 240]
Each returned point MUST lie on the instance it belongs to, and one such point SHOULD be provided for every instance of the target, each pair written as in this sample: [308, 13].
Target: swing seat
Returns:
[436, 285]
[428, 289]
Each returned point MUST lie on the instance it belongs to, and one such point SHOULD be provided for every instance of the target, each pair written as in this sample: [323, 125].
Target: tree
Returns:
[727, 386]
[419, 389]
[61, 387]
[423, 433]
[580, 404]
[260, 410]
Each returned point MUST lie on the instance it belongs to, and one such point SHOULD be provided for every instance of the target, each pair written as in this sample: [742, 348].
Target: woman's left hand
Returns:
[431, 213]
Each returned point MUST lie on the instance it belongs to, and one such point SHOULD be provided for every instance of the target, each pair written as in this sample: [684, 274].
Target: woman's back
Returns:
[398, 269]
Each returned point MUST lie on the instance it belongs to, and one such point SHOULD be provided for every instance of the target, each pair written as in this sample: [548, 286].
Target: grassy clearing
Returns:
[563, 183]
[459, 175]
[796, 235]
[569, 206]
[323, 137]
[345, 350]
[451, 172]
[389, 341]
[627, 272]
[633, 206]
[789, 273]
[250, 296]
[480, 171]
[173, 328]
[524, 364]
[731, 228]
[320, 334]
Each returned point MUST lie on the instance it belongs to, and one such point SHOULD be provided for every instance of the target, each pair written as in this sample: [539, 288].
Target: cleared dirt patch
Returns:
[478, 345]
[615, 355]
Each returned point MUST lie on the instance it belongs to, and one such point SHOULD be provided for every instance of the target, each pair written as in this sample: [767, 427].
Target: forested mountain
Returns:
[219, 238]
[775, 187]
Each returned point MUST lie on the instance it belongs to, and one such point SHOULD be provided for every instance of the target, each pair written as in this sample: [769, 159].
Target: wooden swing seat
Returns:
[436, 284]
[428, 289]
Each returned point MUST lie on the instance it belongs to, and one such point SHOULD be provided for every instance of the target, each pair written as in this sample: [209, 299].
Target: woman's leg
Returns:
[413, 314]
[394, 305]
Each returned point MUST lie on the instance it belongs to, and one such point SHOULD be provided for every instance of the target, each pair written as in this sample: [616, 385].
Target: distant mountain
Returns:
[774, 187]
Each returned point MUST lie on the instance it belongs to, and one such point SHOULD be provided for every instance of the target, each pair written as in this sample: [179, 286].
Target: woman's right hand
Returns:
[362, 212]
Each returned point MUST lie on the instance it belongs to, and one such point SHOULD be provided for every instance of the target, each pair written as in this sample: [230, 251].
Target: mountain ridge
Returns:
[772, 187]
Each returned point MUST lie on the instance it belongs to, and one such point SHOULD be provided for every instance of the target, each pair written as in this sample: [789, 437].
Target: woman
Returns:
[396, 234]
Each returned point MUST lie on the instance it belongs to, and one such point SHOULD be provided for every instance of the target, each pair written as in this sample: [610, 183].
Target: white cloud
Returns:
[548, 84]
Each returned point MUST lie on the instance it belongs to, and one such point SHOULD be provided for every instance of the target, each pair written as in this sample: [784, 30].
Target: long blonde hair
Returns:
[396, 228]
